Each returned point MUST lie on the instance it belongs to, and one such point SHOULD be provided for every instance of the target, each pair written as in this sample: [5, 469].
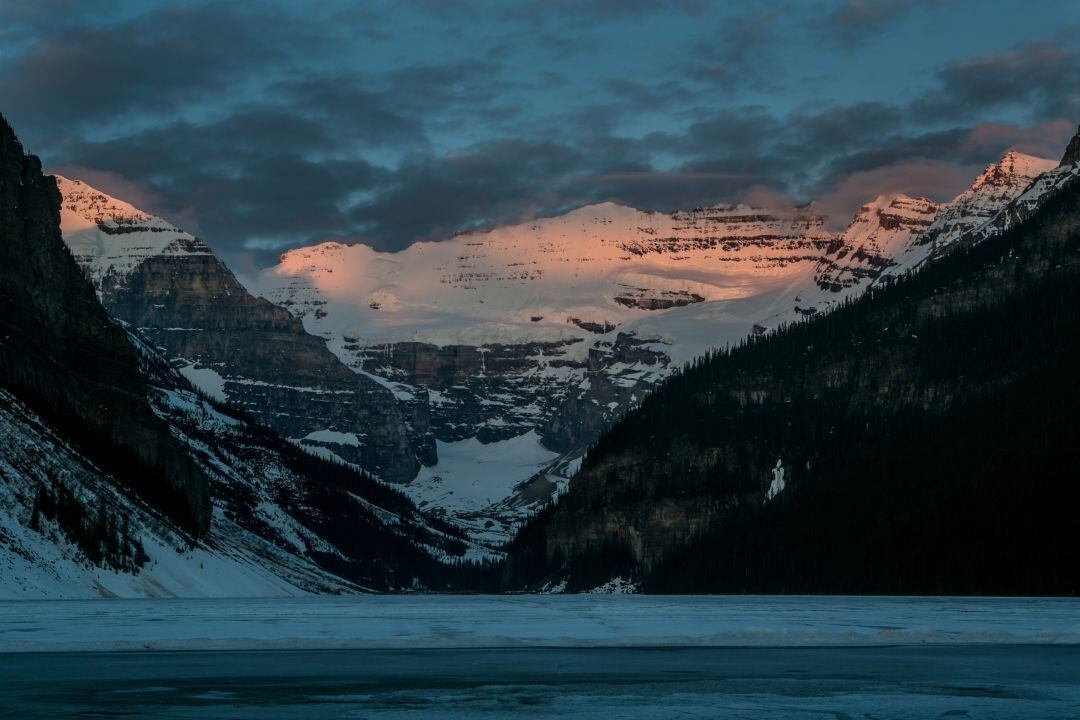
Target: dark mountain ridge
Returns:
[919, 439]
[62, 355]
[117, 477]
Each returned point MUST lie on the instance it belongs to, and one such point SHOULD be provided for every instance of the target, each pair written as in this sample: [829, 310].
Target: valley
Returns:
[529, 339]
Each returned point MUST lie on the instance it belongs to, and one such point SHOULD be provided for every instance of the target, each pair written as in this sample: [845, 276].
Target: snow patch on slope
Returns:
[471, 476]
[42, 562]
[205, 379]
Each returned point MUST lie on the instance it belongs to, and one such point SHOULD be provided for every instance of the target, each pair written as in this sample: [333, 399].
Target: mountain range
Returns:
[915, 440]
[351, 419]
[508, 350]
[118, 478]
[552, 329]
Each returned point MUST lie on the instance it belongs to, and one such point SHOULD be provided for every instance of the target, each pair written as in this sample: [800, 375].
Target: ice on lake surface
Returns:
[543, 657]
[1027, 682]
[455, 621]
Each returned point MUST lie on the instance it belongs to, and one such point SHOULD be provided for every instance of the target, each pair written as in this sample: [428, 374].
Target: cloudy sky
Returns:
[264, 126]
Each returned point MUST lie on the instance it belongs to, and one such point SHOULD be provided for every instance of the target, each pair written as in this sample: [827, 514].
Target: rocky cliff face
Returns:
[874, 241]
[1072, 151]
[232, 345]
[62, 354]
[500, 391]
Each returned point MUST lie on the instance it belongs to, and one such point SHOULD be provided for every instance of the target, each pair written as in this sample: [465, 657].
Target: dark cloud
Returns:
[934, 165]
[937, 180]
[667, 190]
[22, 19]
[633, 93]
[964, 146]
[856, 21]
[893, 147]
[246, 182]
[268, 126]
[153, 64]
[745, 129]
[430, 198]
[741, 53]
[1040, 77]
[546, 10]
[349, 111]
[989, 140]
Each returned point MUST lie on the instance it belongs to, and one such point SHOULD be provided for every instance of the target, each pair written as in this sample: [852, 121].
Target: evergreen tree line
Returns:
[105, 538]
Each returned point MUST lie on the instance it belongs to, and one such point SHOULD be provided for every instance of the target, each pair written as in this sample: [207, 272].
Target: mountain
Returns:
[875, 240]
[283, 522]
[916, 439]
[497, 357]
[532, 339]
[117, 478]
[62, 355]
[1033, 196]
[999, 184]
[232, 345]
[522, 337]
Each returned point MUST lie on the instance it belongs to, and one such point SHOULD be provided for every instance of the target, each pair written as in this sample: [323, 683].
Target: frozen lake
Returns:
[457, 621]
[540, 656]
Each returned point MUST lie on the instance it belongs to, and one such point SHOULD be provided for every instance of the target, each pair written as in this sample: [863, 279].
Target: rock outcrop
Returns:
[874, 241]
[1072, 151]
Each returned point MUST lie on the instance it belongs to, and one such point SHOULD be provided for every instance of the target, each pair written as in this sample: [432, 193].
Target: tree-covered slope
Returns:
[920, 439]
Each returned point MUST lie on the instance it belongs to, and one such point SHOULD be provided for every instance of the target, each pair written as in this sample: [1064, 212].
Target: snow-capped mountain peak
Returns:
[597, 266]
[875, 240]
[1014, 168]
[233, 346]
[109, 237]
[85, 206]
[997, 185]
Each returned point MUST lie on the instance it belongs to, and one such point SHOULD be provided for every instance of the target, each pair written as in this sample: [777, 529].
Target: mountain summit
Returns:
[231, 345]
[996, 186]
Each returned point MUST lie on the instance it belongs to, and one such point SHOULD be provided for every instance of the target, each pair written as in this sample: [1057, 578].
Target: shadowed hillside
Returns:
[920, 439]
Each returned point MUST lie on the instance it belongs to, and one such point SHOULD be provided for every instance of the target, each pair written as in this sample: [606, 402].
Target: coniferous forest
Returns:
[922, 438]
